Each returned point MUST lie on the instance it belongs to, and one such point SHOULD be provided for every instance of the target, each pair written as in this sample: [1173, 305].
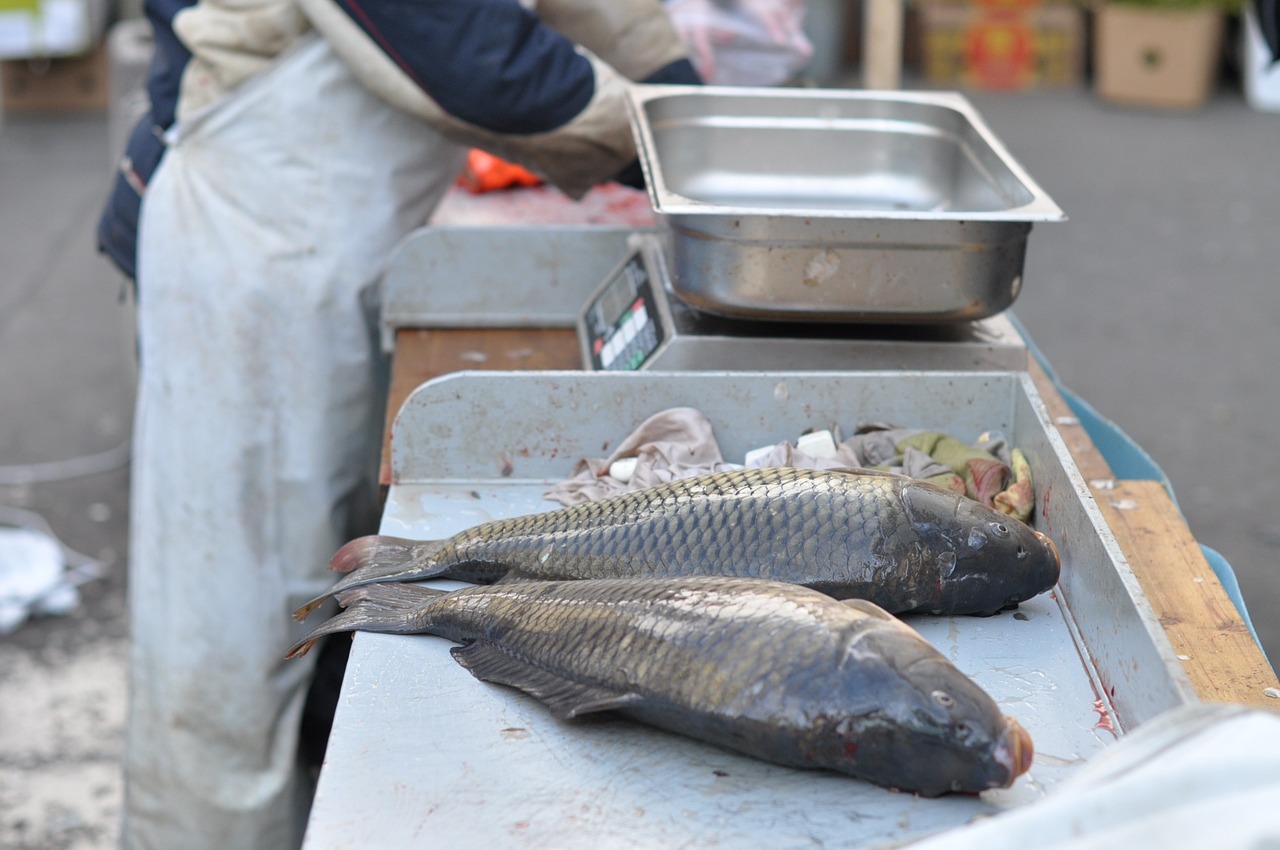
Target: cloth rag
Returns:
[680, 442]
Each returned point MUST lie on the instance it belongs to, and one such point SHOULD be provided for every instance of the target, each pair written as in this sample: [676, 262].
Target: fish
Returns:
[904, 544]
[772, 670]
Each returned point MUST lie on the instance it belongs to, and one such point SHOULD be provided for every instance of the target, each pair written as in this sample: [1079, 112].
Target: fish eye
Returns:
[999, 529]
[943, 699]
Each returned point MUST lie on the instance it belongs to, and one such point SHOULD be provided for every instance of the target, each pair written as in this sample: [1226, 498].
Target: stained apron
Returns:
[262, 238]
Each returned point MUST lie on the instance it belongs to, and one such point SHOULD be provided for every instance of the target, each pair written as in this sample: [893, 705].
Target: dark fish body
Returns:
[773, 670]
[903, 544]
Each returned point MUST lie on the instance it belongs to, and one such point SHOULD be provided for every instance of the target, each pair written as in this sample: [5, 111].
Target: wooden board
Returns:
[421, 355]
[1223, 661]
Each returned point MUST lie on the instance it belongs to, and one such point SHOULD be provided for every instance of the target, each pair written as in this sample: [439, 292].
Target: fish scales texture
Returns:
[769, 669]
[739, 517]
[903, 544]
[712, 634]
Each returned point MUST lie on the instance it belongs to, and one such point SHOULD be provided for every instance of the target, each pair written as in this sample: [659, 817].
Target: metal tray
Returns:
[836, 204]
[421, 751]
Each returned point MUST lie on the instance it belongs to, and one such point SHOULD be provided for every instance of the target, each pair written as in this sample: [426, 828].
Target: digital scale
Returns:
[633, 320]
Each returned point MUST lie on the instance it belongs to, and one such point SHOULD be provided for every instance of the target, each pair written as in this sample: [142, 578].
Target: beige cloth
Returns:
[673, 444]
[680, 442]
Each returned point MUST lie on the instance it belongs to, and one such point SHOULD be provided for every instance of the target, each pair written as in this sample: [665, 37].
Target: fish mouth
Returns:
[1050, 545]
[1015, 752]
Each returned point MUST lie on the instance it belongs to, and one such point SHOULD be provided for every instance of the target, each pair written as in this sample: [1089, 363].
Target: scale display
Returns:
[620, 322]
[633, 321]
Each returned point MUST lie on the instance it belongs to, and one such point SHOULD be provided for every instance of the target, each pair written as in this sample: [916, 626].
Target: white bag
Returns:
[743, 42]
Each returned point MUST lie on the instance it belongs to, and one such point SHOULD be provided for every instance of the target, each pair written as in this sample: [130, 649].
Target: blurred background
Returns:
[1154, 125]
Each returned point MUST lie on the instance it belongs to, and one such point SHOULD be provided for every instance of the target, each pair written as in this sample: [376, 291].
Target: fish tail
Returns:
[373, 549]
[386, 607]
[377, 558]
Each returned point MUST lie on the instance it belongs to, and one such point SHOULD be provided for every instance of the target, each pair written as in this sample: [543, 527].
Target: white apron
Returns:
[262, 237]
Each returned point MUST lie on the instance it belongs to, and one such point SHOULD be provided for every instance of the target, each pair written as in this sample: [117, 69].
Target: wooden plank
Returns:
[1087, 457]
[423, 354]
[1217, 650]
[1223, 661]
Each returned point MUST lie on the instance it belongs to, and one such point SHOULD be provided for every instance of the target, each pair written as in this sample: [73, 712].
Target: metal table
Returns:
[422, 754]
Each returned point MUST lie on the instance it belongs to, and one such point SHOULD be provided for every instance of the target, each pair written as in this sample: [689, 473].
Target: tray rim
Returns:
[1126, 708]
[1041, 208]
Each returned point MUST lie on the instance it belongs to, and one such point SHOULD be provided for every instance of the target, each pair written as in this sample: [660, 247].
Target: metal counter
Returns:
[424, 755]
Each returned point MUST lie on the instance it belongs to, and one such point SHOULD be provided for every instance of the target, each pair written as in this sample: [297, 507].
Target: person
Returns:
[289, 145]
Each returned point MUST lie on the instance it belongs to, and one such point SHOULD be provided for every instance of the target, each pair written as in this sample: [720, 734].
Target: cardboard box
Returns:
[1002, 44]
[1156, 57]
[71, 84]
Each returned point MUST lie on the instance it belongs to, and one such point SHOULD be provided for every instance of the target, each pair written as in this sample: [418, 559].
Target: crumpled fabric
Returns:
[680, 442]
[32, 580]
[39, 575]
[672, 444]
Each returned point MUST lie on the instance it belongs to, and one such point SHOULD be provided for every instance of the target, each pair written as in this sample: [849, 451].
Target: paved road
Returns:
[66, 393]
[1158, 303]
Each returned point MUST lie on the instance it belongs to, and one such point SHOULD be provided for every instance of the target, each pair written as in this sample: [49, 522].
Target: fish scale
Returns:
[766, 668]
[903, 544]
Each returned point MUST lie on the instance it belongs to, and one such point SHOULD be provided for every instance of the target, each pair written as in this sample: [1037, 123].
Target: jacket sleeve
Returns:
[493, 74]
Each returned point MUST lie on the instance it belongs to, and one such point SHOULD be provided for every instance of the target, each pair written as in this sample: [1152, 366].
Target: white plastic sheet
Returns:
[743, 42]
[38, 574]
[1201, 776]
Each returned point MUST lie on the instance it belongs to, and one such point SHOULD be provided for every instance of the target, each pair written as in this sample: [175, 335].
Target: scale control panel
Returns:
[621, 325]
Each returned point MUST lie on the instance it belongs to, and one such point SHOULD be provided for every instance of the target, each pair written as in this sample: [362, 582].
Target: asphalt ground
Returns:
[1156, 301]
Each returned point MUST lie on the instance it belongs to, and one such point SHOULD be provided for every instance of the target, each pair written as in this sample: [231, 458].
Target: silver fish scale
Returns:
[770, 669]
[904, 545]
[780, 516]
[701, 643]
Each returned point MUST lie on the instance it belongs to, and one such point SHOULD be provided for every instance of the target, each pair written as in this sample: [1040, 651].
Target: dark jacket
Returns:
[506, 73]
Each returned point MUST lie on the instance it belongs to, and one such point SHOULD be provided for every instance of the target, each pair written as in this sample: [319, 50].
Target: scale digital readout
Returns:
[620, 328]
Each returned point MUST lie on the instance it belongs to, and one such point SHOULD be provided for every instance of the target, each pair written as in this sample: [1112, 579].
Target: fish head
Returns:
[932, 730]
[985, 560]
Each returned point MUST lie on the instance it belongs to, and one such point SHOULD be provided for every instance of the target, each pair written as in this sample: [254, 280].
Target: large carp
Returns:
[773, 670]
[903, 544]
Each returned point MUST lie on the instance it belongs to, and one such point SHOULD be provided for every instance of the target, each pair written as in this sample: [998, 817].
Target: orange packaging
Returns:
[485, 172]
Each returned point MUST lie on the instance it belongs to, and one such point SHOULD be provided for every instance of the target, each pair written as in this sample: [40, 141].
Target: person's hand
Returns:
[706, 26]
[783, 20]
[695, 23]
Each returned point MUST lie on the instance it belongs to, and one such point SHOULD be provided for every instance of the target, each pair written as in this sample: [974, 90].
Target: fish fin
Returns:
[388, 597]
[378, 558]
[380, 548]
[489, 662]
[514, 576]
[869, 608]
[372, 608]
[866, 471]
